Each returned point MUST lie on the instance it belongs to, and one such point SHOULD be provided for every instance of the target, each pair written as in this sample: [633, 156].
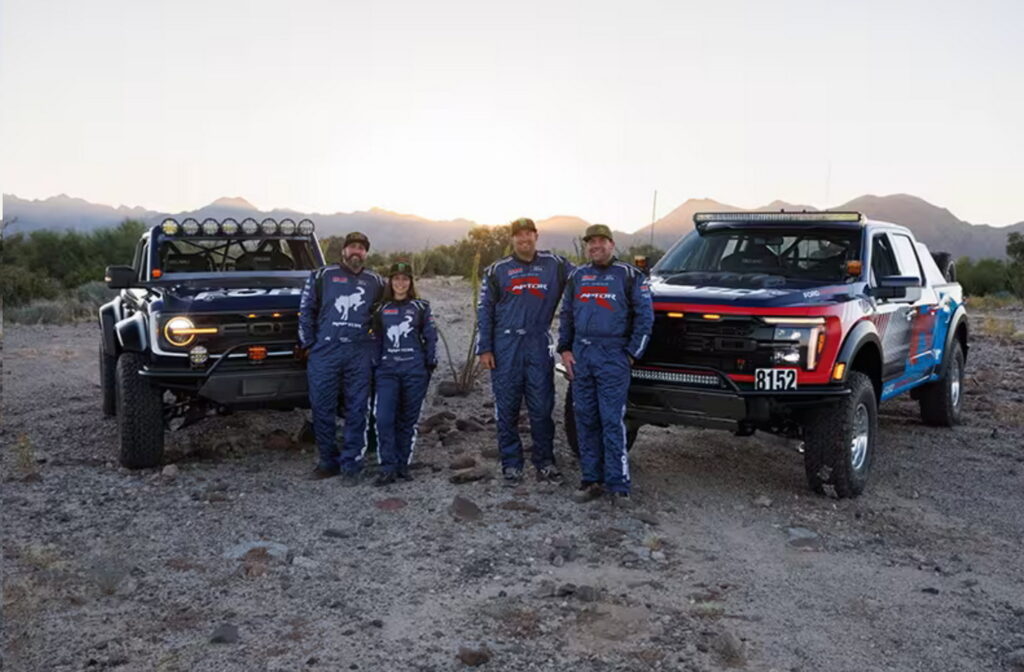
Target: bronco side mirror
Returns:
[119, 277]
[894, 286]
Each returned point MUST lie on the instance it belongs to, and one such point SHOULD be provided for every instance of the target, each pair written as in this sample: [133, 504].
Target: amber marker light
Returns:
[257, 353]
[675, 314]
[712, 316]
[838, 371]
[156, 273]
[276, 315]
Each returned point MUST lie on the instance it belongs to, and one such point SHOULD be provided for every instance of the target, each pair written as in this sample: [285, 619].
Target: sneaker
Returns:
[351, 478]
[588, 492]
[320, 473]
[550, 474]
[405, 476]
[385, 478]
[621, 500]
[513, 476]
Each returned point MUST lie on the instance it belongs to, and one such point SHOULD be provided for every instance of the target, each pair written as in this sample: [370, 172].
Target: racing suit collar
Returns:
[611, 262]
[526, 261]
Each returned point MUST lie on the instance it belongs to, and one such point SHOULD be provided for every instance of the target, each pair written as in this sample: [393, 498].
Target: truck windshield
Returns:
[799, 254]
[220, 255]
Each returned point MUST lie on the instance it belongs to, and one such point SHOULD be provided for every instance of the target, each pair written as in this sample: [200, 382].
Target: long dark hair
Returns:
[389, 293]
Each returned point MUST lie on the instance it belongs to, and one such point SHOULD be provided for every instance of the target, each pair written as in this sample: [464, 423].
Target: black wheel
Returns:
[940, 401]
[108, 371]
[839, 441]
[946, 264]
[140, 415]
[569, 419]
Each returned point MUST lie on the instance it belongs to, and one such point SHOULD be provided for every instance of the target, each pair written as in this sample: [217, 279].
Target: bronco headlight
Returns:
[181, 331]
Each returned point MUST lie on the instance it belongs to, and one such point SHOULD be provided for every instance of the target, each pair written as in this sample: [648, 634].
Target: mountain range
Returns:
[390, 231]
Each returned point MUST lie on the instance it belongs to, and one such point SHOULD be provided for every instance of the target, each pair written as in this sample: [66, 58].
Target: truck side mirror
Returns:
[119, 277]
[894, 286]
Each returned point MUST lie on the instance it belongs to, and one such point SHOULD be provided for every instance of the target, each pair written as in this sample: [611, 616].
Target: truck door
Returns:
[924, 306]
[890, 313]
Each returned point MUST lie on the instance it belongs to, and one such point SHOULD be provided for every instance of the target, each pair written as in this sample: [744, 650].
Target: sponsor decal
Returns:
[339, 278]
[599, 295]
[588, 278]
[346, 302]
[391, 311]
[529, 283]
[513, 271]
[215, 294]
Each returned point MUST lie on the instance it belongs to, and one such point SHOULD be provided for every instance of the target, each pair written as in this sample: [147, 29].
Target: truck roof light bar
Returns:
[702, 219]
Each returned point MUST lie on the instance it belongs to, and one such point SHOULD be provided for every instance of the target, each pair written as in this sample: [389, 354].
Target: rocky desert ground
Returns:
[227, 559]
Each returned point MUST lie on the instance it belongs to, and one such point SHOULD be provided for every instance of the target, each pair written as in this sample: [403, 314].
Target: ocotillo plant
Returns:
[465, 377]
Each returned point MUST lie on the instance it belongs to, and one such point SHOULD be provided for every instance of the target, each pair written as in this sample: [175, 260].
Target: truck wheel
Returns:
[140, 415]
[108, 371]
[940, 401]
[569, 419]
[839, 441]
[946, 264]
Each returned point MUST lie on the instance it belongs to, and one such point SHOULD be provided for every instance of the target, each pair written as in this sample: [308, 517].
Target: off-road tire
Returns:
[572, 438]
[108, 372]
[140, 415]
[946, 264]
[829, 432]
[941, 401]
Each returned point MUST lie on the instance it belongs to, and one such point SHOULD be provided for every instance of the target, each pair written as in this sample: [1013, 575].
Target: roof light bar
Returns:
[268, 226]
[776, 217]
[250, 226]
[229, 227]
[306, 227]
[211, 227]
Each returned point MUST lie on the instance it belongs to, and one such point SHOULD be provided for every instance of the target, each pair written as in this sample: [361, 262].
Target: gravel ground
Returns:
[727, 562]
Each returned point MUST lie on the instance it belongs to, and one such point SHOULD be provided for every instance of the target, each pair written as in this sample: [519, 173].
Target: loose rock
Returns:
[803, 538]
[226, 633]
[469, 475]
[271, 549]
[464, 509]
[474, 657]
[390, 504]
[468, 425]
[462, 462]
[170, 472]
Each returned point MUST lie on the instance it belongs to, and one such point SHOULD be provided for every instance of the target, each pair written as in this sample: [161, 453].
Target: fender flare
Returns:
[109, 314]
[959, 318]
[131, 333]
[863, 332]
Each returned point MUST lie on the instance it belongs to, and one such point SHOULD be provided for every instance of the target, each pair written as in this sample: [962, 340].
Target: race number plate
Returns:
[776, 380]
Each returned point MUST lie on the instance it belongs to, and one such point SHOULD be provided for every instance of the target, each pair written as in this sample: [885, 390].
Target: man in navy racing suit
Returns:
[605, 325]
[518, 297]
[335, 330]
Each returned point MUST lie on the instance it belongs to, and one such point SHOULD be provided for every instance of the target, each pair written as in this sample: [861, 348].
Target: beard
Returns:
[354, 262]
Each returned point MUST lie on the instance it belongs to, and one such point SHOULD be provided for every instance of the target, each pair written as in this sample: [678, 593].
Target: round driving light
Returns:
[198, 355]
[268, 226]
[211, 227]
[306, 227]
[190, 227]
[249, 226]
[229, 227]
[286, 227]
[179, 331]
[170, 227]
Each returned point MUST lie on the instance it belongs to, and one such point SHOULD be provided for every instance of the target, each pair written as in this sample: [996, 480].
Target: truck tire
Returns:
[946, 264]
[108, 372]
[940, 401]
[839, 441]
[571, 437]
[140, 415]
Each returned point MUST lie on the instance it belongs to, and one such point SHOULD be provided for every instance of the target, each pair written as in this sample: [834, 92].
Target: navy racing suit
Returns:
[408, 356]
[517, 303]
[607, 316]
[335, 319]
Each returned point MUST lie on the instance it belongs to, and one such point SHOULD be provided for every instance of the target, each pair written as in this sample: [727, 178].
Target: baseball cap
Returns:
[598, 230]
[357, 237]
[400, 268]
[523, 224]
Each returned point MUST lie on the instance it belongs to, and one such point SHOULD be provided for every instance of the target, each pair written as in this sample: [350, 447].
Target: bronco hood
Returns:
[240, 292]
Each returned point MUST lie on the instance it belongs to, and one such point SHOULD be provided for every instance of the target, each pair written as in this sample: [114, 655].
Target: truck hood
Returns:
[762, 297]
[261, 293]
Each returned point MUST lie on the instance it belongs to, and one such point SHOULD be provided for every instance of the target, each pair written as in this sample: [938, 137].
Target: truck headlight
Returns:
[809, 341]
[181, 331]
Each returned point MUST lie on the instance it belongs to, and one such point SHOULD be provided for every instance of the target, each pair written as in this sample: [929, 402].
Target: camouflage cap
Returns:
[597, 230]
[400, 268]
[523, 224]
[357, 237]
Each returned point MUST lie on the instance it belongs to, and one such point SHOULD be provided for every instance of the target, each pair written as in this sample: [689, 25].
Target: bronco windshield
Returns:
[816, 255]
[220, 255]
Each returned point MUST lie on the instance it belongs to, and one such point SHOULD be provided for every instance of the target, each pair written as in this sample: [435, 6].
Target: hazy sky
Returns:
[463, 108]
